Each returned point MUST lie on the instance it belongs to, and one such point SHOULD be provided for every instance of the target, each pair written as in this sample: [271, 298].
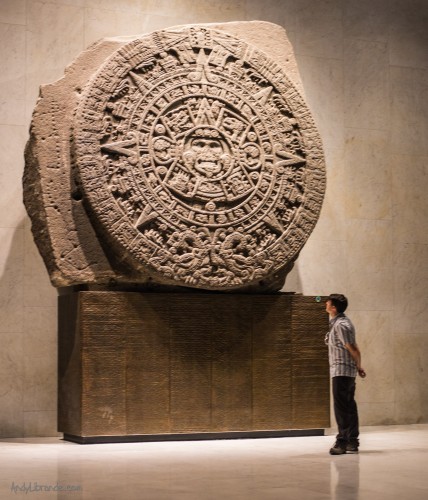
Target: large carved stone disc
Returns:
[198, 159]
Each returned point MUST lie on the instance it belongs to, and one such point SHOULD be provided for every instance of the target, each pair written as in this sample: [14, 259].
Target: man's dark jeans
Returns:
[345, 409]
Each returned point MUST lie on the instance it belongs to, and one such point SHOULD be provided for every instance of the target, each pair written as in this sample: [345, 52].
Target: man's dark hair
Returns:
[339, 301]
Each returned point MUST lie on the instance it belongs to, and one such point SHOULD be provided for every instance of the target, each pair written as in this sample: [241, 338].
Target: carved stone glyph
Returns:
[194, 161]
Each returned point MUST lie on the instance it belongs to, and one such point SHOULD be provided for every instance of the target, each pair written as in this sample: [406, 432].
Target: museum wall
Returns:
[364, 66]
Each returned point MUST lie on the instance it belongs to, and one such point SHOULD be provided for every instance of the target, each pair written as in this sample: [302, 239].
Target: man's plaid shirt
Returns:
[341, 332]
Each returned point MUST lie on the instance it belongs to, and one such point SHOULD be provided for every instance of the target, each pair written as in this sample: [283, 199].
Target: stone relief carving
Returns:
[198, 161]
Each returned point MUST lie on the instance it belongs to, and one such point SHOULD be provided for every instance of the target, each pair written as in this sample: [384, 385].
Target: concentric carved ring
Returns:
[199, 160]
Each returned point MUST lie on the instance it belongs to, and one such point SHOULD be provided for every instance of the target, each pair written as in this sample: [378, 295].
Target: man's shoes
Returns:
[339, 448]
[352, 447]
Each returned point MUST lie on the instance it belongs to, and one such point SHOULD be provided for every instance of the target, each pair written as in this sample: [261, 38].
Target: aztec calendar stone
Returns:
[198, 160]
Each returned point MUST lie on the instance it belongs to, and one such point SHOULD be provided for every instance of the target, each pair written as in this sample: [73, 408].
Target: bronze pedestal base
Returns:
[152, 366]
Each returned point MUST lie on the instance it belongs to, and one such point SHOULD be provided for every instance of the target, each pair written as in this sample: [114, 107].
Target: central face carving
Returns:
[205, 159]
[204, 152]
[206, 167]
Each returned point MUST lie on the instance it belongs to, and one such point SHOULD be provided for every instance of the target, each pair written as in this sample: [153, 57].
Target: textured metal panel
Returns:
[310, 382]
[69, 366]
[148, 364]
[192, 363]
[272, 362]
[103, 349]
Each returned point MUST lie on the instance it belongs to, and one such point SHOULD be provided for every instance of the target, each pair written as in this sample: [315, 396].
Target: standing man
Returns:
[345, 362]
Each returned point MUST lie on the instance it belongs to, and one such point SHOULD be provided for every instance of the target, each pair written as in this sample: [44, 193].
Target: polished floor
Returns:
[392, 464]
